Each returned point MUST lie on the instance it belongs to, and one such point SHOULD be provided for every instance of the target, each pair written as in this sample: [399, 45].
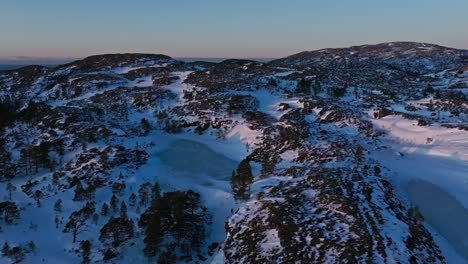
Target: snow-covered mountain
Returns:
[331, 156]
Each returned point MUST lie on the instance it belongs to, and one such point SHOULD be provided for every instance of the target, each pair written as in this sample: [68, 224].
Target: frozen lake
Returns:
[443, 212]
[188, 156]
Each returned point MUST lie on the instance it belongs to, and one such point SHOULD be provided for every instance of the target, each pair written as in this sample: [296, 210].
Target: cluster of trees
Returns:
[241, 180]
[117, 231]
[140, 155]
[34, 157]
[7, 168]
[166, 124]
[17, 253]
[174, 222]
[313, 87]
[120, 228]
[9, 212]
[338, 92]
[308, 87]
[113, 207]
[84, 194]
[8, 108]
[303, 86]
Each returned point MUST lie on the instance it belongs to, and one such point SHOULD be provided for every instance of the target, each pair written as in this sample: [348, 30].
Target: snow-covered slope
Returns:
[97, 158]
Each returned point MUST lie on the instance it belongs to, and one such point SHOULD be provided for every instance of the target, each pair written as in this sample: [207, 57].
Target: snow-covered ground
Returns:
[421, 155]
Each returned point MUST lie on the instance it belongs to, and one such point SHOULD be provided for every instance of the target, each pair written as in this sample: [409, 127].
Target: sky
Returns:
[221, 28]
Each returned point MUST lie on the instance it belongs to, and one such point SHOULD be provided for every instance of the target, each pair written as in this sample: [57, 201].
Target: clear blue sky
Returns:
[218, 28]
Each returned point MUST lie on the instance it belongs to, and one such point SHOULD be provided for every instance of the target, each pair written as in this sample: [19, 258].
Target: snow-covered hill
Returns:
[320, 157]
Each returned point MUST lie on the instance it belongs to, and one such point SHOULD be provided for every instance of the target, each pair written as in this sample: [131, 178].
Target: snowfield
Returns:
[421, 155]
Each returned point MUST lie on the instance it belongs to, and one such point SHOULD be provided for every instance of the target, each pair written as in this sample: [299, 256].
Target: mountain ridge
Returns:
[319, 141]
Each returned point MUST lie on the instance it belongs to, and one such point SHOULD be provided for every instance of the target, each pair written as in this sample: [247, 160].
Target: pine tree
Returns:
[155, 192]
[132, 200]
[244, 170]
[144, 192]
[58, 206]
[359, 154]
[10, 188]
[31, 247]
[114, 203]
[146, 126]
[118, 188]
[79, 191]
[85, 248]
[37, 197]
[5, 249]
[95, 218]
[238, 189]
[104, 209]
[138, 153]
[317, 87]
[303, 86]
[123, 210]
[241, 180]
[77, 220]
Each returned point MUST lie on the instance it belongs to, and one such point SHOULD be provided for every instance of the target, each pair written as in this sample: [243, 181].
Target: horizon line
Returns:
[53, 60]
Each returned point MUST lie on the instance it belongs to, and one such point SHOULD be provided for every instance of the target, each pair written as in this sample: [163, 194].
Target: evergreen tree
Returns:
[10, 188]
[146, 126]
[138, 154]
[237, 187]
[31, 247]
[114, 203]
[15, 254]
[303, 86]
[317, 87]
[244, 170]
[77, 220]
[241, 180]
[58, 206]
[85, 248]
[118, 188]
[104, 209]
[37, 195]
[95, 218]
[359, 154]
[82, 194]
[5, 249]
[144, 192]
[79, 191]
[155, 192]
[132, 200]
[123, 210]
